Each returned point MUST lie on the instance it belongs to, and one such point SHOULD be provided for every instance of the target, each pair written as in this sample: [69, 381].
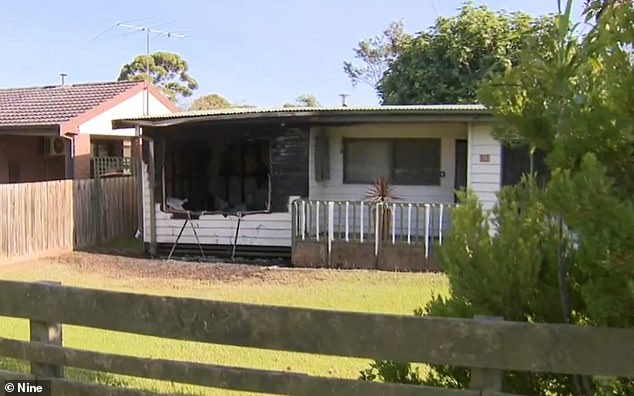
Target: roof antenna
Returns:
[63, 76]
[148, 30]
[344, 99]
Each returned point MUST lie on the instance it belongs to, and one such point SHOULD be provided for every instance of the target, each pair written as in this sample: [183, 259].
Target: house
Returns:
[52, 132]
[276, 180]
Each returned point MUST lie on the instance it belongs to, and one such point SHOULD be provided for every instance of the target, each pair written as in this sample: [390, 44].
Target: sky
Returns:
[258, 52]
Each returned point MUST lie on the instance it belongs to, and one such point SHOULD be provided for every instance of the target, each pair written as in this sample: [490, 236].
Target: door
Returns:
[460, 181]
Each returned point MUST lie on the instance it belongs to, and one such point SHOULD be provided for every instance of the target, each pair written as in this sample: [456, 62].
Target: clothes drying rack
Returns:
[187, 219]
[175, 207]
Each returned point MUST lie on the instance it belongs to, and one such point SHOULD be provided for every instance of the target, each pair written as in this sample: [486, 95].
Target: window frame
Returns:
[347, 140]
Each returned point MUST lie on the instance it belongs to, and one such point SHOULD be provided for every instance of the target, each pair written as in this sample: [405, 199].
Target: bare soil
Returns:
[110, 266]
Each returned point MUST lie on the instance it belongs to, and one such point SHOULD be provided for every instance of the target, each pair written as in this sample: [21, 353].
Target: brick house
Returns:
[53, 132]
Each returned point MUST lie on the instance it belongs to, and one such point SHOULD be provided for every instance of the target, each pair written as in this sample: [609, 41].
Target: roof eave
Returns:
[310, 116]
[30, 129]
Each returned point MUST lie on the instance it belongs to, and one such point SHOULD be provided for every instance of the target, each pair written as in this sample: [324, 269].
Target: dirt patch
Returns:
[118, 267]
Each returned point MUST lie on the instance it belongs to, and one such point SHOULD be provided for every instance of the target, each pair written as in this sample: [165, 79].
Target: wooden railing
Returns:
[104, 166]
[399, 223]
[487, 347]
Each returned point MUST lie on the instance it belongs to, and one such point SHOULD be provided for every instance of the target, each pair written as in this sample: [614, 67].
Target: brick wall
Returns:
[32, 164]
[82, 156]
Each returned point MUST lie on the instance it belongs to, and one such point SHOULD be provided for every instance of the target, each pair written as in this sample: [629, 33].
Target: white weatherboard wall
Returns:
[272, 229]
[485, 164]
[335, 189]
[132, 107]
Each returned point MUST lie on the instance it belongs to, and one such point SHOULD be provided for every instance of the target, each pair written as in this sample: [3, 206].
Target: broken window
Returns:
[220, 175]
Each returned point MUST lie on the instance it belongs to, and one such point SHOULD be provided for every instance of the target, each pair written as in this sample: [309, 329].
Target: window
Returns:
[516, 161]
[217, 175]
[322, 157]
[402, 161]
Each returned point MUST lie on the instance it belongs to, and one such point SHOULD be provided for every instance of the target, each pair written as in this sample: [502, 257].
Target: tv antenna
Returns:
[148, 32]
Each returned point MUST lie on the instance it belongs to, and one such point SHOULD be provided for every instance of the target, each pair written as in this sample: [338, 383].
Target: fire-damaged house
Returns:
[271, 181]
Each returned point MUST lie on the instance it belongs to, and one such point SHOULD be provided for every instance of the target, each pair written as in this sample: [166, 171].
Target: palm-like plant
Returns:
[382, 192]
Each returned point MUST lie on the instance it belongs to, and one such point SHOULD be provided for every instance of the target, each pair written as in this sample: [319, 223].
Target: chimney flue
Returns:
[344, 99]
[63, 76]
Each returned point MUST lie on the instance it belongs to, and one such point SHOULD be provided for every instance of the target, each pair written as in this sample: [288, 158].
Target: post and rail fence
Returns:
[488, 347]
[365, 234]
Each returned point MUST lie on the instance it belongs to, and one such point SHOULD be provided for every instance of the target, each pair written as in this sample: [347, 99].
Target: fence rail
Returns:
[488, 347]
[39, 218]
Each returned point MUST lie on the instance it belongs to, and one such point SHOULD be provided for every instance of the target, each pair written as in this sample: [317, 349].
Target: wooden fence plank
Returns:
[60, 215]
[38, 218]
[210, 375]
[460, 342]
[65, 387]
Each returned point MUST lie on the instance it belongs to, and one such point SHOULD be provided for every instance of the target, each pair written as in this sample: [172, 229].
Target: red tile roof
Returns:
[55, 104]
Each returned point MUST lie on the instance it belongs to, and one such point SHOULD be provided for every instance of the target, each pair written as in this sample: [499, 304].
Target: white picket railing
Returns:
[354, 221]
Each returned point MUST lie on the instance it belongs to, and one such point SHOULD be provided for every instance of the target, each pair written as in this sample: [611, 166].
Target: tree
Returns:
[168, 71]
[304, 100]
[446, 63]
[375, 55]
[211, 101]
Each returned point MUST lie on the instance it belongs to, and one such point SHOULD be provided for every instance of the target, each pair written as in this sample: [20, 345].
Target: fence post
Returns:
[49, 333]
[484, 378]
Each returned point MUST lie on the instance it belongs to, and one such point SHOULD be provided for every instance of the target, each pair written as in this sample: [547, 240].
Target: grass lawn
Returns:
[362, 291]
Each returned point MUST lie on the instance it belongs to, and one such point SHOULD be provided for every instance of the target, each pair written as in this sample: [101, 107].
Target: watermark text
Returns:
[27, 387]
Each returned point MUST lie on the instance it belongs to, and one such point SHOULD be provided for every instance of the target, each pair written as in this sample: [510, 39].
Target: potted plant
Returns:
[382, 193]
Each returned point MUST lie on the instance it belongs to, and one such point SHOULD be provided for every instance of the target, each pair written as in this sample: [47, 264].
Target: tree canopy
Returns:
[374, 55]
[304, 100]
[446, 63]
[211, 101]
[168, 71]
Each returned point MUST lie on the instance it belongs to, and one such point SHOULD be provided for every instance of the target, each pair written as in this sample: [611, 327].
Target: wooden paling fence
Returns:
[45, 217]
[104, 209]
[488, 347]
[35, 217]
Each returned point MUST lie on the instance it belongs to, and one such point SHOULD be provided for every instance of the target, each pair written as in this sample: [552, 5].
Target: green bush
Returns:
[506, 263]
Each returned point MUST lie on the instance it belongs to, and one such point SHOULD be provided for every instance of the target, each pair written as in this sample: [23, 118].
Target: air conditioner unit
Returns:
[54, 146]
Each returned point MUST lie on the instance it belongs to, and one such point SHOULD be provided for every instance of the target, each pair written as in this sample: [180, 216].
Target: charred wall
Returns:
[289, 166]
[288, 155]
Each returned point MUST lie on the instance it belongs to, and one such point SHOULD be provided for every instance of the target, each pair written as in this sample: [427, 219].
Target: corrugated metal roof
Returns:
[308, 111]
[290, 110]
